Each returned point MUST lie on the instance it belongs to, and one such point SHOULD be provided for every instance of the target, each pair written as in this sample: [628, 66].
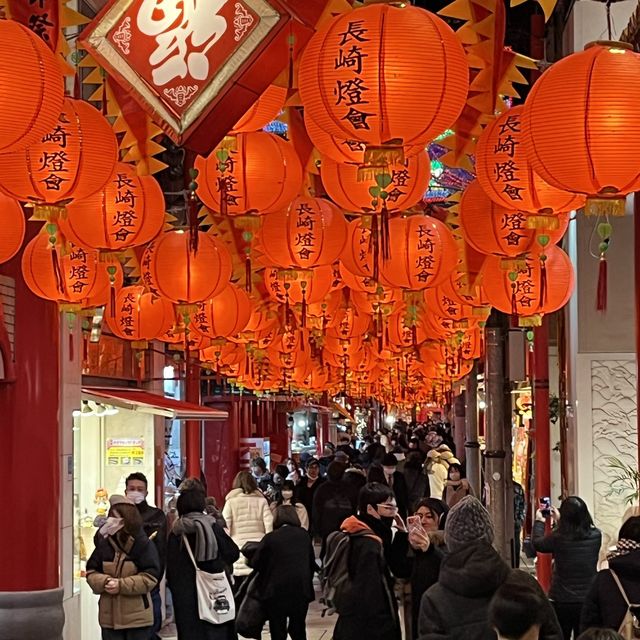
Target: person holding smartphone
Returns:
[575, 544]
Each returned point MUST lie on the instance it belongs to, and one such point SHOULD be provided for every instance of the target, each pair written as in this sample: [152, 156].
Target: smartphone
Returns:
[545, 506]
[413, 523]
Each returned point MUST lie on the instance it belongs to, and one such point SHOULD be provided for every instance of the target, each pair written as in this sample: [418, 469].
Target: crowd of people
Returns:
[395, 509]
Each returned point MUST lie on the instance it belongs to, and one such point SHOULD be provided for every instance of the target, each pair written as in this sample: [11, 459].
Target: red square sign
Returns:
[178, 57]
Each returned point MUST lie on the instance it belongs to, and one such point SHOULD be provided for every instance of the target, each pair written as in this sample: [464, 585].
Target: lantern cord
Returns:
[56, 270]
[601, 300]
[384, 233]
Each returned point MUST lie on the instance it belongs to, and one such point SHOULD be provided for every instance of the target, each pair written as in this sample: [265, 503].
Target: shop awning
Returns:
[146, 402]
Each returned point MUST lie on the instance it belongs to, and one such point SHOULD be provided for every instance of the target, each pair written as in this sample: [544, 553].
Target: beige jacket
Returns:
[248, 519]
[301, 511]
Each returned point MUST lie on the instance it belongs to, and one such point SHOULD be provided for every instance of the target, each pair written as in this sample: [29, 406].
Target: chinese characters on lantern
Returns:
[127, 320]
[305, 239]
[80, 273]
[425, 250]
[124, 217]
[524, 289]
[513, 229]
[53, 164]
[350, 90]
[506, 170]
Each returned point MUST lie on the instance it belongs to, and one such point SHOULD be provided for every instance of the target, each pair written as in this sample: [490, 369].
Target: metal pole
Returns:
[496, 472]
[471, 445]
[192, 427]
[542, 436]
[459, 406]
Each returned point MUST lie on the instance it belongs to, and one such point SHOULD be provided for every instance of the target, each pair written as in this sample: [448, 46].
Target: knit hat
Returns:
[467, 522]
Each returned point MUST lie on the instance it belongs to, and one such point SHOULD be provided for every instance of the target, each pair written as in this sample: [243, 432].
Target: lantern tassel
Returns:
[543, 281]
[103, 97]
[71, 349]
[385, 240]
[112, 300]
[287, 310]
[303, 318]
[85, 348]
[291, 42]
[374, 246]
[193, 223]
[57, 272]
[514, 303]
[222, 188]
[247, 272]
[601, 301]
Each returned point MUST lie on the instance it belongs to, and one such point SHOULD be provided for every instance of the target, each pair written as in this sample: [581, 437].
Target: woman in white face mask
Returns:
[288, 498]
[122, 570]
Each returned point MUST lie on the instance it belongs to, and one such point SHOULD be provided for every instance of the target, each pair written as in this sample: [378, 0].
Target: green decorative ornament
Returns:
[513, 276]
[247, 236]
[543, 240]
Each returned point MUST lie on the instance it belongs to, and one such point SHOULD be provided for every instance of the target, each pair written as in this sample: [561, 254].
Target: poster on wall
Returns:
[125, 452]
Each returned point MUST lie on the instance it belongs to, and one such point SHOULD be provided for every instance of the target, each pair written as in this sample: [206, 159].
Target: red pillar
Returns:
[542, 433]
[192, 438]
[30, 469]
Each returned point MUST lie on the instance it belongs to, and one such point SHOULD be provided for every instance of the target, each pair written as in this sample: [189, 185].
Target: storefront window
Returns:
[304, 431]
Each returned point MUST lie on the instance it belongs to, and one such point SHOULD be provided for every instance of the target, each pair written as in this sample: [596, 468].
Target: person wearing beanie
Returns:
[457, 606]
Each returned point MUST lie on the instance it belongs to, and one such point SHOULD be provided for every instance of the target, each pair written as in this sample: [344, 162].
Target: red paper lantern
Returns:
[139, 315]
[520, 291]
[492, 229]
[311, 233]
[127, 212]
[223, 355]
[340, 346]
[262, 174]
[581, 123]
[266, 108]
[307, 286]
[505, 173]
[401, 332]
[357, 256]
[13, 226]
[72, 161]
[170, 267]
[31, 87]
[398, 188]
[68, 278]
[362, 76]
[349, 323]
[440, 302]
[424, 253]
[225, 315]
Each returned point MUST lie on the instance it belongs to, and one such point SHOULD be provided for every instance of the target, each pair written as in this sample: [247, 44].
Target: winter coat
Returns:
[574, 562]
[368, 608]
[399, 488]
[333, 503]
[457, 606]
[285, 563]
[437, 475]
[301, 512]
[181, 579]
[417, 485]
[453, 494]
[604, 605]
[305, 493]
[154, 523]
[137, 567]
[248, 518]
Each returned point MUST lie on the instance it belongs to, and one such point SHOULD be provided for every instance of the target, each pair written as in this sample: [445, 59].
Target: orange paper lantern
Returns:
[357, 256]
[505, 173]
[223, 355]
[139, 315]
[424, 253]
[72, 161]
[311, 233]
[265, 109]
[440, 302]
[362, 76]
[170, 267]
[307, 286]
[12, 228]
[127, 212]
[262, 174]
[225, 315]
[520, 291]
[31, 87]
[400, 187]
[581, 122]
[349, 323]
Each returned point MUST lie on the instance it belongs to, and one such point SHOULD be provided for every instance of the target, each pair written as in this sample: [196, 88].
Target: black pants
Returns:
[278, 611]
[156, 600]
[569, 618]
[127, 634]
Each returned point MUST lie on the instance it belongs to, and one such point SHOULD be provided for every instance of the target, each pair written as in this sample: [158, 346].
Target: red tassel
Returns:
[514, 303]
[193, 223]
[77, 93]
[385, 240]
[543, 280]
[222, 188]
[247, 272]
[85, 348]
[374, 246]
[104, 96]
[287, 310]
[291, 42]
[303, 319]
[56, 270]
[71, 350]
[112, 300]
[601, 302]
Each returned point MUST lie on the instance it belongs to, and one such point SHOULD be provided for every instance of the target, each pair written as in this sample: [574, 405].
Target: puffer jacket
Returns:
[604, 605]
[248, 518]
[457, 606]
[137, 567]
[574, 562]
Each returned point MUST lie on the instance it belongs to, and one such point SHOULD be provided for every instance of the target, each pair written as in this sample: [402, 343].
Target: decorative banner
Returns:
[179, 60]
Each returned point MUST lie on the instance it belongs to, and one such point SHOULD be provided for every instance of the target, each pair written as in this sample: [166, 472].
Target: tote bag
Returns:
[215, 598]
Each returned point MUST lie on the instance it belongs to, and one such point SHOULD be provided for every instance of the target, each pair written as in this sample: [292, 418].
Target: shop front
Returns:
[116, 432]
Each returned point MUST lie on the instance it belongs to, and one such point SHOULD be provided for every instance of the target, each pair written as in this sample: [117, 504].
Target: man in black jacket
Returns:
[154, 523]
[368, 608]
[395, 480]
[457, 607]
